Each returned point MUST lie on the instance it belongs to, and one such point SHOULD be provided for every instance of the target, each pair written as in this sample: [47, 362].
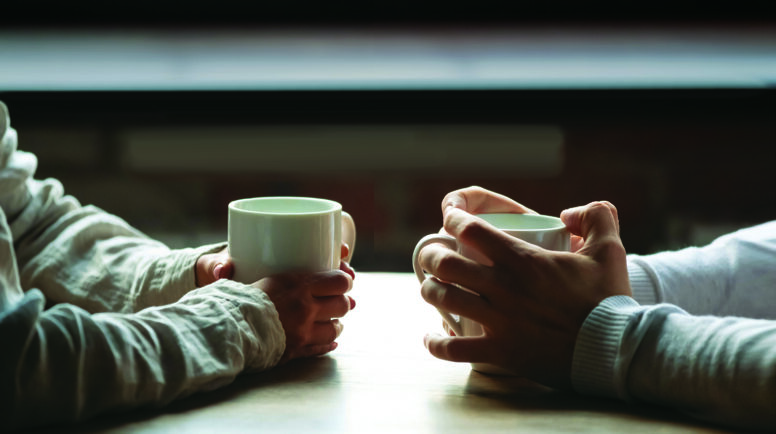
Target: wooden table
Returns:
[382, 379]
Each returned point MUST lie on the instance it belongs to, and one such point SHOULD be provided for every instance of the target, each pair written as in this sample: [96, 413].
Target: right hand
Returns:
[309, 305]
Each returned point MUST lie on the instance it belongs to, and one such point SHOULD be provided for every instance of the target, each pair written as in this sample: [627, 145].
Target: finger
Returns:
[586, 220]
[615, 215]
[209, 266]
[596, 224]
[476, 233]
[451, 266]
[477, 200]
[453, 299]
[458, 349]
[325, 332]
[335, 306]
[224, 271]
[577, 243]
[344, 250]
[314, 350]
[447, 328]
[344, 266]
[326, 283]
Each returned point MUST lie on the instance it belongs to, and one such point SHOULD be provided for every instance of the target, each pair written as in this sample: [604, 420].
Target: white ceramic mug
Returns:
[545, 231]
[271, 235]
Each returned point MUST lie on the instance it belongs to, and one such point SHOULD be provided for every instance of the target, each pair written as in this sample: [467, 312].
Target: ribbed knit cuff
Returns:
[595, 369]
[642, 282]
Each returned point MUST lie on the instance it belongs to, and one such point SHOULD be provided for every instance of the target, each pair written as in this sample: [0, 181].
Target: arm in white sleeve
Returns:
[719, 369]
[733, 276]
[64, 364]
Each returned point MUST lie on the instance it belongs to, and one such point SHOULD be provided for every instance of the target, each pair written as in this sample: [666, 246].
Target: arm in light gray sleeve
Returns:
[715, 356]
[718, 369]
[735, 275]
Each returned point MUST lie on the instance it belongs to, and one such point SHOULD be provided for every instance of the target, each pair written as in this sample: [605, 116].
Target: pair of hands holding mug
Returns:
[308, 304]
[531, 302]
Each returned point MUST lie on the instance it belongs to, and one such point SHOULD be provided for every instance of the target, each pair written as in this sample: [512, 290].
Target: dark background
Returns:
[681, 165]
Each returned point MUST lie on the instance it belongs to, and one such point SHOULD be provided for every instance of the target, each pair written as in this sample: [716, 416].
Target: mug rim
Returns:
[332, 206]
[556, 222]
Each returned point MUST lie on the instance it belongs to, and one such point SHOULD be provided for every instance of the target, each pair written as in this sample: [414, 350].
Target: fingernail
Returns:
[425, 340]
[217, 271]
[352, 303]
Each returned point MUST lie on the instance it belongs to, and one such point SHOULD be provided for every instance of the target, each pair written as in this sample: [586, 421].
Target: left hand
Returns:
[531, 302]
[213, 266]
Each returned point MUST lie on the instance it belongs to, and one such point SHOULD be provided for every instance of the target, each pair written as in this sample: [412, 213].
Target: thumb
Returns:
[597, 223]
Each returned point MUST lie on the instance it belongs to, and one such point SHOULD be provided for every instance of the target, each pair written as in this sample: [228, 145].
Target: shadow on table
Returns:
[298, 371]
[519, 394]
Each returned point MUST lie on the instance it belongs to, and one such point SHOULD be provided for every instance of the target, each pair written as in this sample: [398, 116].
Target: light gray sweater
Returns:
[127, 326]
[707, 348]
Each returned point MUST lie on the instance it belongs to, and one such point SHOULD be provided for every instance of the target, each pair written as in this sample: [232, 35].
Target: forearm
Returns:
[98, 262]
[66, 365]
[733, 276]
[80, 254]
[718, 369]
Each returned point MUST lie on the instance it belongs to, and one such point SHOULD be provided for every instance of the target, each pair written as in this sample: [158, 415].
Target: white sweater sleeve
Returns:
[715, 365]
[68, 363]
[733, 276]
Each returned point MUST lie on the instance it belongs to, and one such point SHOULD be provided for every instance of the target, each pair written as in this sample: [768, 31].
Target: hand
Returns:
[213, 266]
[477, 200]
[308, 305]
[531, 302]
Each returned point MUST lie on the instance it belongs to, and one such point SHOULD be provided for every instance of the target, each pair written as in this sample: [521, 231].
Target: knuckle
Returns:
[471, 229]
[335, 330]
[433, 292]
[597, 208]
[612, 248]
[344, 306]
[341, 280]
[445, 264]
[297, 304]
[609, 205]
[304, 309]
[449, 350]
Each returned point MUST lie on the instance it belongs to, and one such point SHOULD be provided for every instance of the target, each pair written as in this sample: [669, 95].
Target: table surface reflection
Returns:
[382, 379]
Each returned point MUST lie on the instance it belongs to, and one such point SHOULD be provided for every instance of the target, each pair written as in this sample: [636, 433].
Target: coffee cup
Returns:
[544, 231]
[279, 234]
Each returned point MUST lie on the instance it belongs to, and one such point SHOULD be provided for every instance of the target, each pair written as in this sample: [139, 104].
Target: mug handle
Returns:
[348, 234]
[450, 242]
